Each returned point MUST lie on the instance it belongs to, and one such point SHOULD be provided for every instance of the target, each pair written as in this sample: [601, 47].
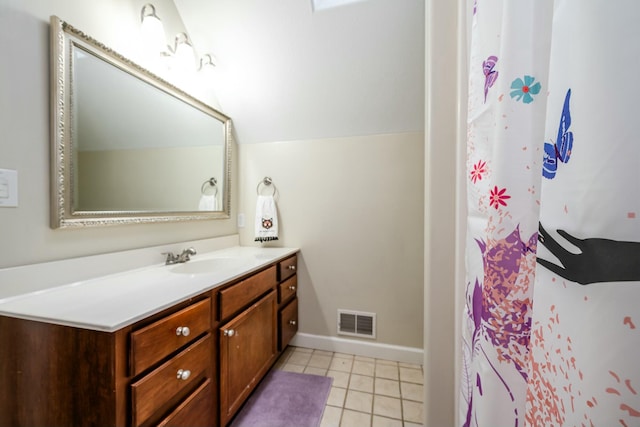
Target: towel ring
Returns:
[267, 181]
[211, 183]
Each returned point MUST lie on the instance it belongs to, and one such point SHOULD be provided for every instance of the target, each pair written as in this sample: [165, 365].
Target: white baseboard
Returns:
[360, 348]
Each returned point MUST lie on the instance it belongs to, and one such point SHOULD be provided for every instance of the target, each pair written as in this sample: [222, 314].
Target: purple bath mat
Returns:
[286, 399]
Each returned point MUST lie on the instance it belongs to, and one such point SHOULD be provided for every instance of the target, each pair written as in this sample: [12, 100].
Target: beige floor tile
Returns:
[315, 371]
[389, 372]
[379, 421]
[340, 379]
[387, 406]
[279, 364]
[411, 375]
[289, 367]
[365, 359]
[409, 365]
[331, 416]
[344, 356]
[386, 362]
[285, 355]
[387, 387]
[363, 368]
[341, 364]
[365, 392]
[412, 391]
[359, 401]
[299, 358]
[336, 396]
[361, 383]
[412, 411]
[320, 361]
[303, 349]
[355, 419]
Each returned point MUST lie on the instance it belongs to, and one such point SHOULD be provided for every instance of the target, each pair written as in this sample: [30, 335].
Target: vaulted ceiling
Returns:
[286, 72]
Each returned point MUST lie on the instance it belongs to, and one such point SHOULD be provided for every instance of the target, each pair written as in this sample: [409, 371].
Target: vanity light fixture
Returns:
[181, 55]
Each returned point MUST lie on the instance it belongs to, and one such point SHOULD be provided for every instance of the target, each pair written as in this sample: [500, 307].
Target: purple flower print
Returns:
[490, 75]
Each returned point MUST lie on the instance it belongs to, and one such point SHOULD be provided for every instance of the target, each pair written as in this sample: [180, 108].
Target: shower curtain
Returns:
[551, 332]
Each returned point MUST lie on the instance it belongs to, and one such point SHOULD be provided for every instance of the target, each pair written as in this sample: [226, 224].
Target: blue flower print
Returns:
[522, 90]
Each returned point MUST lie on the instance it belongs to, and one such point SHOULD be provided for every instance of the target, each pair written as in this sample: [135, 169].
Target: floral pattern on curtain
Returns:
[553, 228]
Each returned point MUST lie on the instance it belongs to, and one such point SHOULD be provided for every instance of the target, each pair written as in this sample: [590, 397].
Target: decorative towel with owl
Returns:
[266, 219]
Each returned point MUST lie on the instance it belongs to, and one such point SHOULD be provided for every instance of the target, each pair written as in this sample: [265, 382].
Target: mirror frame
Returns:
[64, 38]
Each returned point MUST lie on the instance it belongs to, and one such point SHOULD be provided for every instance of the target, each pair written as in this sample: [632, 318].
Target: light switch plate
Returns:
[8, 188]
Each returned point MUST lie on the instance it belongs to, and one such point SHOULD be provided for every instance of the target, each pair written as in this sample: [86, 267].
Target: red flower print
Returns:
[478, 170]
[498, 197]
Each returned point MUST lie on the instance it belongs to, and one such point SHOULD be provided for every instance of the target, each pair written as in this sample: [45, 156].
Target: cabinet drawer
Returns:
[157, 340]
[287, 289]
[288, 323]
[195, 411]
[243, 293]
[287, 268]
[174, 377]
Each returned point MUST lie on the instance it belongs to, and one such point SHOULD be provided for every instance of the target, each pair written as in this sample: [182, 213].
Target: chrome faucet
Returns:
[176, 259]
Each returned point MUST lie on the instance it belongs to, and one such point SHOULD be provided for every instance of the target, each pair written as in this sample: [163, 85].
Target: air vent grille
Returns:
[356, 323]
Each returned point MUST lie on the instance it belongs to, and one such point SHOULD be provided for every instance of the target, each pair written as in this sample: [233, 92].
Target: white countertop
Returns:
[111, 302]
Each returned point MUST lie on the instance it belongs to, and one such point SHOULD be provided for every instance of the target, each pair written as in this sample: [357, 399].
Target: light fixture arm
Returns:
[145, 12]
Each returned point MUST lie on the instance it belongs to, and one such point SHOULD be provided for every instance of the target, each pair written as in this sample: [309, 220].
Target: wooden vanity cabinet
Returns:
[54, 375]
[193, 364]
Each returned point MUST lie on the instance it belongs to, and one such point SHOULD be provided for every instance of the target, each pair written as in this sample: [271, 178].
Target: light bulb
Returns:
[184, 53]
[152, 29]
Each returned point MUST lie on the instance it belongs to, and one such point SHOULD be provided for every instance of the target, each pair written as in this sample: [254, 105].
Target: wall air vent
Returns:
[356, 323]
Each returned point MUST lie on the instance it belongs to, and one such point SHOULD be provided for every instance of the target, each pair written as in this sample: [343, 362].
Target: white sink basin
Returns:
[207, 266]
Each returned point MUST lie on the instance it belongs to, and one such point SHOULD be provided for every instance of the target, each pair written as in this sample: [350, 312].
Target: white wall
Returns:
[24, 123]
[354, 206]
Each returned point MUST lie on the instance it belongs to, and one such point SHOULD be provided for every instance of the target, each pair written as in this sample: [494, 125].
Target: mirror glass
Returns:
[128, 146]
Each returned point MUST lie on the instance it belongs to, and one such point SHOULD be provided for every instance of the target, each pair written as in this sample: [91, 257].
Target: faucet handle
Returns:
[170, 257]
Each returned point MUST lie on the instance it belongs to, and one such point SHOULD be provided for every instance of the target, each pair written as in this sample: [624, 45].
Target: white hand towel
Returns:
[208, 203]
[266, 219]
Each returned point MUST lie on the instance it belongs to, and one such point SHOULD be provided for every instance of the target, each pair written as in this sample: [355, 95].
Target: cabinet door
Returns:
[247, 351]
[288, 320]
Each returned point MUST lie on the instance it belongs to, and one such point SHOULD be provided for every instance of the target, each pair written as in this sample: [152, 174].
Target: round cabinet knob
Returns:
[292, 288]
[229, 333]
[292, 267]
[183, 330]
[292, 322]
[183, 374]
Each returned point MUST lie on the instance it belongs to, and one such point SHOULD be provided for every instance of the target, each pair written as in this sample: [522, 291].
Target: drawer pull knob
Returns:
[292, 322]
[292, 288]
[229, 333]
[292, 267]
[183, 374]
[183, 330]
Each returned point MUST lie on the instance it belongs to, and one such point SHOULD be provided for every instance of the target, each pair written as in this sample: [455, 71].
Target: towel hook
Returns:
[212, 183]
[266, 181]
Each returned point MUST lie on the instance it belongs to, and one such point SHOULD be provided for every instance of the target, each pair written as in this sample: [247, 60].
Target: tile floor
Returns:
[366, 392]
